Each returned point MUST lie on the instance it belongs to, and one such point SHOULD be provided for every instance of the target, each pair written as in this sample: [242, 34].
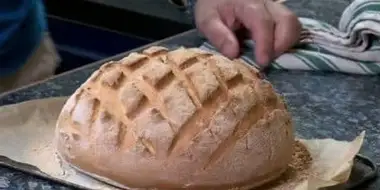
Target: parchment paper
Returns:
[27, 132]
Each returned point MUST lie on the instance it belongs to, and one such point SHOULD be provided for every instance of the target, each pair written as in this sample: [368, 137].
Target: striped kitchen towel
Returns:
[353, 47]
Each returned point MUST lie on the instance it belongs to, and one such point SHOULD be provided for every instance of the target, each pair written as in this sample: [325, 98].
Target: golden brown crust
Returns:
[176, 119]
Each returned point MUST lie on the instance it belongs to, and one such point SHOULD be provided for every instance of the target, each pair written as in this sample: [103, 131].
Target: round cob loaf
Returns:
[181, 119]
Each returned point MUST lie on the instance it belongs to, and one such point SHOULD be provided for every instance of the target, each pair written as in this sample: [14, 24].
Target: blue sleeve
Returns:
[22, 24]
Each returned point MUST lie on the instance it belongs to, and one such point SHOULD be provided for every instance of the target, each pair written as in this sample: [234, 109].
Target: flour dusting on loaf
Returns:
[176, 119]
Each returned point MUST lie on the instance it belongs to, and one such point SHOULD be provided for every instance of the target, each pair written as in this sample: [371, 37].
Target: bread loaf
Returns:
[180, 119]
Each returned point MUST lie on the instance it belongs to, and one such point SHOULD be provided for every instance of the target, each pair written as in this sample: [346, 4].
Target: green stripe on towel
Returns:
[343, 54]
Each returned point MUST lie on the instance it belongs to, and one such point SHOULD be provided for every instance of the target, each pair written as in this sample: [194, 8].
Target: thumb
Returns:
[220, 36]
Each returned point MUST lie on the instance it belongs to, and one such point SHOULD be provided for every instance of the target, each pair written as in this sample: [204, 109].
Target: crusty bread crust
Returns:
[176, 119]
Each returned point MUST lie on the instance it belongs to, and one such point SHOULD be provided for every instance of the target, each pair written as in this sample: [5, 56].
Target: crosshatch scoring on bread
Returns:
[184, 118]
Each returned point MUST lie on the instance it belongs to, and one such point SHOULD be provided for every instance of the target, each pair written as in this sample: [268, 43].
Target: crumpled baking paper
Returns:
[27, 132]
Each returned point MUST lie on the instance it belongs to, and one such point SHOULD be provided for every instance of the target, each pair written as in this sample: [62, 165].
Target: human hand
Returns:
[272, 26]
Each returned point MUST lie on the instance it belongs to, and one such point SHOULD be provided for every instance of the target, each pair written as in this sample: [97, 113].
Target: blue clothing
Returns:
[22, 26]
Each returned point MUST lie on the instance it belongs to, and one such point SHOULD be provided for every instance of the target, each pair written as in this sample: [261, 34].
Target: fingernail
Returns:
[262, 60]
[271, 55]
[228, 49]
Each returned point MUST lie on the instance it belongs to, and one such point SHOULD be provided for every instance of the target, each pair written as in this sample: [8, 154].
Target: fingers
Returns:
[272, 27]
[287, 28]
[220, 36]
[256, 18]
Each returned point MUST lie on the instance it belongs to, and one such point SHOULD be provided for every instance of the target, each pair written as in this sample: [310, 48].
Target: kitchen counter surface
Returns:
[148, 19]
[161, 8]
[323, 104]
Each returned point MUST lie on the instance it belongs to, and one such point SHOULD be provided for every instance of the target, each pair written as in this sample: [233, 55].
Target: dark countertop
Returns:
[131, 17]
[156, 8]
[323, 104]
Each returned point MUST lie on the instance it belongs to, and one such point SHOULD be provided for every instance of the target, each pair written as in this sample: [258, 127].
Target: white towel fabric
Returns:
[353, 47]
